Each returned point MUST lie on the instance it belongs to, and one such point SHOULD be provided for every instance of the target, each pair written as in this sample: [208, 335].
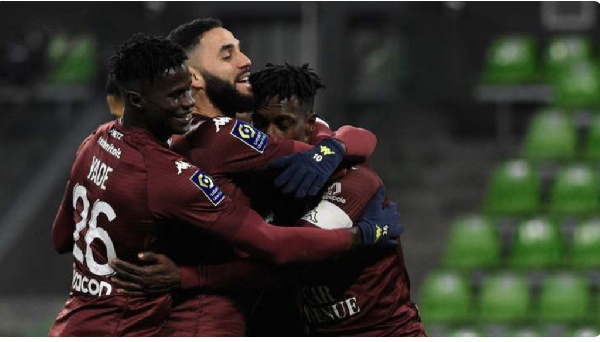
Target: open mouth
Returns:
[186, 117]
[243, 79]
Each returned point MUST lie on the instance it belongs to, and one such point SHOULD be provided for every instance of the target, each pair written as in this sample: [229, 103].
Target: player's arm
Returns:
[160, 274]
[193, 197]
[359, 143]
[63, 226]
[307, 172]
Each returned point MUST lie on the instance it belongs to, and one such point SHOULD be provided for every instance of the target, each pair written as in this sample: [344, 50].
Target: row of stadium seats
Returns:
[515, 189]
[538, 243]
[568, 65]
[506, 298]
[552, 136]
[489, 285]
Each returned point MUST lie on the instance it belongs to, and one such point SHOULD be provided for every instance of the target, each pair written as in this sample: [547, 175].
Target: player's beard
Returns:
[225, 96]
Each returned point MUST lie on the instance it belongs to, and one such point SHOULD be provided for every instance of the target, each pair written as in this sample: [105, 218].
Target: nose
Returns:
[245, 62]
[188, 100]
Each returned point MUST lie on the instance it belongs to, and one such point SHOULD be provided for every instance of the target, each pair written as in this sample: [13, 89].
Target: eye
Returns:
[227, 57]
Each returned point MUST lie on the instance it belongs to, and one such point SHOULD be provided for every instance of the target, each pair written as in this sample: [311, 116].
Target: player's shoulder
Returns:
[228, 133]
[361, 177]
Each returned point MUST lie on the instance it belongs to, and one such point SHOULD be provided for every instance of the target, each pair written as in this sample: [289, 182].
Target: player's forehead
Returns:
[216, 39]
[274, 106]
[174, 78]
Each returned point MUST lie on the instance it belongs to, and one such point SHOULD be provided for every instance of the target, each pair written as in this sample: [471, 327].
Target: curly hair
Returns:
[285, 81]
[144, 57]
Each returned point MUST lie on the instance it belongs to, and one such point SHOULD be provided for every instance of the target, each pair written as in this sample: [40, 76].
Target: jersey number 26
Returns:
[93, 232]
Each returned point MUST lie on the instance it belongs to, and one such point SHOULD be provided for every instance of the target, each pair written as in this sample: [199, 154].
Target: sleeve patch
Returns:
[250, 136]
[208, 186]
[328, 216]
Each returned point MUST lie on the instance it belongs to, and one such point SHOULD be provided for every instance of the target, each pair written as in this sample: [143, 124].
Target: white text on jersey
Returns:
[99, 173]
[92, 286]
[110, 148]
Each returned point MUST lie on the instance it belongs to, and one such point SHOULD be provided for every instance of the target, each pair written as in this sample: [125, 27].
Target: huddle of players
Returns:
[208, 287]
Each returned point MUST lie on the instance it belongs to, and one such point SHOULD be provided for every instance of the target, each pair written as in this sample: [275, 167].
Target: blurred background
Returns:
[486, 115]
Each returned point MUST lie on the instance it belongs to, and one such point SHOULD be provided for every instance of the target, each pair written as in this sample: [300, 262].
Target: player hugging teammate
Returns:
[188, 206]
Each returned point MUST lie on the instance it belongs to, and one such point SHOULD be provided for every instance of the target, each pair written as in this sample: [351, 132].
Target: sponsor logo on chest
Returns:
[332, 193]
[319, 306]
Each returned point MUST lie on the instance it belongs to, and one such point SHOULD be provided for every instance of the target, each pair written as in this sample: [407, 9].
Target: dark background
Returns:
[406, 71]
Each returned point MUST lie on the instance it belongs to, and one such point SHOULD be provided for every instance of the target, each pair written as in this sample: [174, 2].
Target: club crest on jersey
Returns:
[250, 136]
[208, 186]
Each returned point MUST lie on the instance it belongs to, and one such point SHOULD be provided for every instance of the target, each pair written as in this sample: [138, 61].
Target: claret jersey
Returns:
[124, 189]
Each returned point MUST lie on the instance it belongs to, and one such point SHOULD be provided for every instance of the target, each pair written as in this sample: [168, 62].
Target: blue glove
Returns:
[307, 172]
[380, 225]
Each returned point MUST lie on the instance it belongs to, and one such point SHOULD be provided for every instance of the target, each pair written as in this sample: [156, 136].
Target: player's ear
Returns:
[135, 99]
[310, 123]
[197, 79]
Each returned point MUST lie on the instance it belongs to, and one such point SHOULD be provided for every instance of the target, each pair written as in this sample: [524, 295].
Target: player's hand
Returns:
[158, 275]
[380, 225]
[306, 172]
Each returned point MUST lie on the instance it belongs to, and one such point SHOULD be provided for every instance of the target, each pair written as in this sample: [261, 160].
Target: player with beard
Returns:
[360, 294]
[233, 152]
[126, 187]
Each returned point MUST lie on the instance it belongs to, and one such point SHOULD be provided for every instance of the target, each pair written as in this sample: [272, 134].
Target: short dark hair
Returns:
[285, 81]
[189, 34]
[144, 57]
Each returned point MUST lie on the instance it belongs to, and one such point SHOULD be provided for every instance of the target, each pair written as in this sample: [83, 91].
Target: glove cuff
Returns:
[335, 145]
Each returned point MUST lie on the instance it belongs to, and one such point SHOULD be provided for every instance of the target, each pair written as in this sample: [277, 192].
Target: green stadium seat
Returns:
[578, 86]
[72, 61]
[575, 192]
[585, 250]
[504, 298]
[514, 190]
[511, 60]
[551, 136]
[591, 149]
[536, 244]
[563, 51]
[445, 298]
[564, 298]
[473, 243]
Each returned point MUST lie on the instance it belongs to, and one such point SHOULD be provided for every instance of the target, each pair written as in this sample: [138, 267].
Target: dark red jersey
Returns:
[122, 186]
[126, 190]
[231, 151]
[366, 293]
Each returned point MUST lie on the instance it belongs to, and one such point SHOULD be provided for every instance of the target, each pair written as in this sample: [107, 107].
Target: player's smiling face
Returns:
[220, 55]
[286, 118]
[168, 103]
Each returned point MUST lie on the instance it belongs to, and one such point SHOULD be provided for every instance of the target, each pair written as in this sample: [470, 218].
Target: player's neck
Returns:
[205, 107]
[131, 119]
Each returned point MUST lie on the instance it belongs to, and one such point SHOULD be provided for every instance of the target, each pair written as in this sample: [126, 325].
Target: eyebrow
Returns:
[229, 46]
